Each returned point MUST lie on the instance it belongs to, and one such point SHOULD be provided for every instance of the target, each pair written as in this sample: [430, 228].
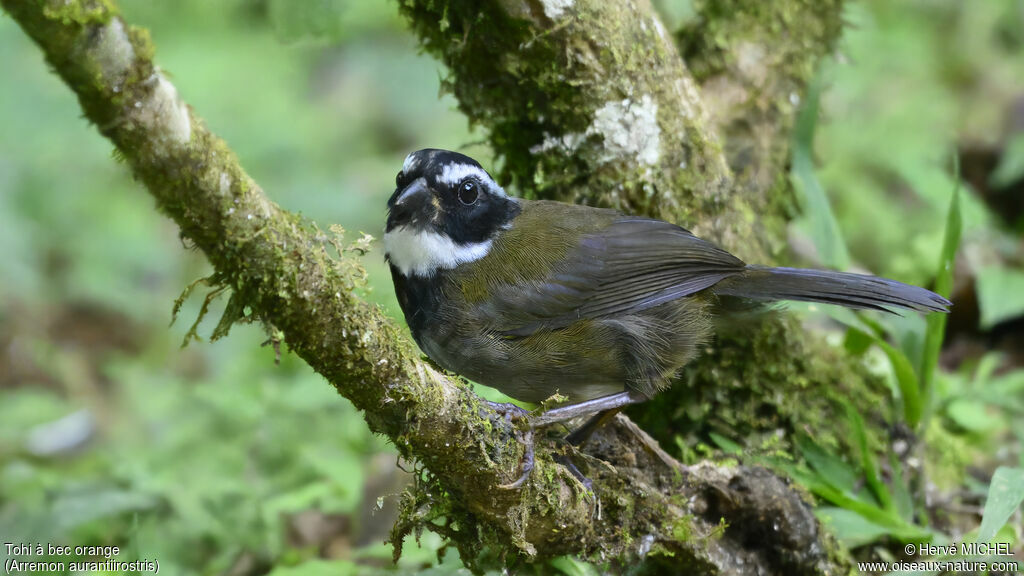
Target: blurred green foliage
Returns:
[214, 459]
[211, 458]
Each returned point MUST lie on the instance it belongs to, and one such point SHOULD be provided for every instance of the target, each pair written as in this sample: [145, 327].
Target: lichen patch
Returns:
[164, 115]
[630, 129]
[112, 52]
[224, 185]
[567, 143]
[555, 8]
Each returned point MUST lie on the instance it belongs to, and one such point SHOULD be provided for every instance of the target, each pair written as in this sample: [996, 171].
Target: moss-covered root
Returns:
[279, 267]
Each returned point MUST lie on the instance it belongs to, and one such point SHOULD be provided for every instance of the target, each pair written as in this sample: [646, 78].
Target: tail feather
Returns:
[841, 288]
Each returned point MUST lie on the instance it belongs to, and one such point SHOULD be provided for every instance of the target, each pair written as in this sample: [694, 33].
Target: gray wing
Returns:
[633, 264]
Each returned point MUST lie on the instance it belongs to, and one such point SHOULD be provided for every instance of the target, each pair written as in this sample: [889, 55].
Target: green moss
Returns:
[946, 457]
[682, 530]
[80, 12]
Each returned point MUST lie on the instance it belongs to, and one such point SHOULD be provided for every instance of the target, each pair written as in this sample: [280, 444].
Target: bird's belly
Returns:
[530, 369]
[587, 359]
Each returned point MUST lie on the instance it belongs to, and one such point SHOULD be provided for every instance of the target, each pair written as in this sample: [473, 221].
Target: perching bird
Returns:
[538, 297]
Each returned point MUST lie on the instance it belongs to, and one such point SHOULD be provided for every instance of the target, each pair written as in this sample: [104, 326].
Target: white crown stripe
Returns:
[410, 162]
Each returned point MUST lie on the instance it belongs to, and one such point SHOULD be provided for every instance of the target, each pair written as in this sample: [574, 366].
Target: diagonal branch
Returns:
[279, 266]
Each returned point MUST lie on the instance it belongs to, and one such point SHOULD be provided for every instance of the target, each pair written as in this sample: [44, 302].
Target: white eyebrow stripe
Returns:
[455, 173]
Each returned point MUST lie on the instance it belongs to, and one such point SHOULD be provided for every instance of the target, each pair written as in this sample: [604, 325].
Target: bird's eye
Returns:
[468, 192]
[398, 178]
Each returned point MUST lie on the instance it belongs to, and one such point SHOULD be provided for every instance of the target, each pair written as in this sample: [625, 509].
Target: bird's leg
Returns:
[604, 403]
[580, 435]
[606, 406]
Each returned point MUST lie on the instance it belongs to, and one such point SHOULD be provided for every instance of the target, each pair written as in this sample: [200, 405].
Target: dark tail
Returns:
[841, 288]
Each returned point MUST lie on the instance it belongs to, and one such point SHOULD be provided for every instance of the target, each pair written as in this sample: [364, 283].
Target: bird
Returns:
[537, 297]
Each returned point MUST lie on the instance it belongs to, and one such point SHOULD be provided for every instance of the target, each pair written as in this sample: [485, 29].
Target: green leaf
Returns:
[572, 567]
[857, 342]
[851, 528]
[1000, 295]
[936, 323]
[81, 506]
[1005, 494]
[1011, 164]
[830, 468]
[987, 366]
[727, 446]
[903, 501]
[317, 568]
[906, 378]
[1018, 431]
[1007, 385]
[824, 230]
[895, 526]
[869, 462]
[907, 381]
[971, 415]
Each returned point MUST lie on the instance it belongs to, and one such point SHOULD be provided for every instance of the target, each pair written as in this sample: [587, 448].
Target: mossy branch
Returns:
[643, 505]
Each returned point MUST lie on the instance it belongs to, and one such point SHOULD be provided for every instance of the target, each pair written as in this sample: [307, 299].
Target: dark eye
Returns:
[468, 192]
[398, 178]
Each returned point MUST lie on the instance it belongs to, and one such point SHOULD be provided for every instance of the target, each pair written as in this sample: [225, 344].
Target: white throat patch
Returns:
[422, 253]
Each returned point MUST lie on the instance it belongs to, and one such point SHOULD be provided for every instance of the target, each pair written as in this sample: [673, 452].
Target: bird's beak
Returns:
[410, 204]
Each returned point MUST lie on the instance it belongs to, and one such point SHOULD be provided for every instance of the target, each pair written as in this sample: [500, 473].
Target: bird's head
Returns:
[445, 211]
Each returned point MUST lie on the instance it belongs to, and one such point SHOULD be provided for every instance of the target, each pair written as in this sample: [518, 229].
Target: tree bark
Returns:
[714, 519]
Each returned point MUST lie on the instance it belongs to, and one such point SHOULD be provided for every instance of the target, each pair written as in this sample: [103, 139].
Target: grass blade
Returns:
[869, 463]
[824, 229]
[1005, 494]
[936, 323]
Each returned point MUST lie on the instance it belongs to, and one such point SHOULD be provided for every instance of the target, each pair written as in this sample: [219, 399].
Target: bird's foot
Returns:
[566, 461]
[521, 418]
[529, 422]
[526, 465]
[508, 410]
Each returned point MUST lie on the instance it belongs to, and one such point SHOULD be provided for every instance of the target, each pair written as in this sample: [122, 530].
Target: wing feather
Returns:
[628, 266]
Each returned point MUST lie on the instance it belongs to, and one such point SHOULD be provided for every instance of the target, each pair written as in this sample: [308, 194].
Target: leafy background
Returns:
[213, 459]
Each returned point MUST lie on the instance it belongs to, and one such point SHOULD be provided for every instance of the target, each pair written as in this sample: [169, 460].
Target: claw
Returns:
[527, 464]
[565, 461]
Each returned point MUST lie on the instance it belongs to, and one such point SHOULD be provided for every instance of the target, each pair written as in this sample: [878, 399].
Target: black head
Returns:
[450, 194]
